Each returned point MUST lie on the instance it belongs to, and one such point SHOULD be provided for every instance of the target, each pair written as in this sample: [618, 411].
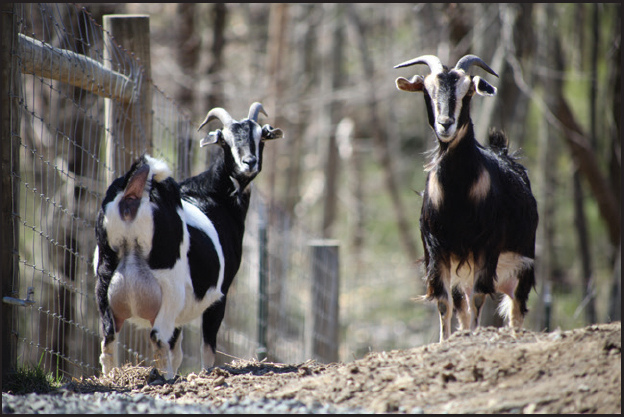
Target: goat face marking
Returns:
[445, 92]
[244, 140]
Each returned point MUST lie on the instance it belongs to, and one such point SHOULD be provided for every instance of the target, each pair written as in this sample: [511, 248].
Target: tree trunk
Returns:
[545, 246]
[560, 116]
[305, 49]
[379, 139]
[276, 51]
[187, 51]
[218, 17]
[615, 164]
[332, 167]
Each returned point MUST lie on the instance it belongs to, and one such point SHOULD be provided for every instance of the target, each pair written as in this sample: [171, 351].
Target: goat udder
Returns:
[134, 293]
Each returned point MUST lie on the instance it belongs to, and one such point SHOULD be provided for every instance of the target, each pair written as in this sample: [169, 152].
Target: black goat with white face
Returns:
[479, 218]
[167, 252]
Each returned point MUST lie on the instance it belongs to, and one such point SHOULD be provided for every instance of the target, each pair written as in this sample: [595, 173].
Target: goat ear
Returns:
[211, 139]
[269, 133]
[482, 87]
[417, 83]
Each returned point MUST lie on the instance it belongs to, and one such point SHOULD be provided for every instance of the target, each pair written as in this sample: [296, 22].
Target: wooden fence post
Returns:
[325, 295]
[128, 125]
[11, 79]
[263, 284]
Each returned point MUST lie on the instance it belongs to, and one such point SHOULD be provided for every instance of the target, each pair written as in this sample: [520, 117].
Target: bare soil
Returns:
[488, 371]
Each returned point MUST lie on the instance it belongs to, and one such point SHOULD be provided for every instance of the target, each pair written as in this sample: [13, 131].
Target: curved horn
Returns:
[431, 60]
[217, 113]
[468, 60]
[254, 110]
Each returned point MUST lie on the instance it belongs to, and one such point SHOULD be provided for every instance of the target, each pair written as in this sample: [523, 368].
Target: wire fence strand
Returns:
[61, 178]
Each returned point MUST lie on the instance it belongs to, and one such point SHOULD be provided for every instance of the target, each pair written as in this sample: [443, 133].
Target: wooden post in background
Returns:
[10, 191]
[325, 295]
[128, 125]
[263, 285]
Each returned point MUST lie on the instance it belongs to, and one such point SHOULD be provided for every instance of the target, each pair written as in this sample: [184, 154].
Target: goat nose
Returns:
[250, 160]
[446, 122]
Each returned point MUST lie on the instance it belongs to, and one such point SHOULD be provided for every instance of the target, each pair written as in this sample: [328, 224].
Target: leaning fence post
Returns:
[325, 296]
[263, 296]
[10, 189]
[128, 125]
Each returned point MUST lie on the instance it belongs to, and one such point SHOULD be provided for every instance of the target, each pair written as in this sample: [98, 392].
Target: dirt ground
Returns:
[489, 371]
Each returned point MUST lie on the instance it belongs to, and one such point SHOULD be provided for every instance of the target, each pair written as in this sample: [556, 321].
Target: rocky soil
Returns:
[489, 371]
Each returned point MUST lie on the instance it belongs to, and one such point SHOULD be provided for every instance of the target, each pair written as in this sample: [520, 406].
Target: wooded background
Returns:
[355, 145]
[354, 148]
[348, 172]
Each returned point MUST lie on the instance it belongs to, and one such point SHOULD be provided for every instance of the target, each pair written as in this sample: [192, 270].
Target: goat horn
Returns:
[468, 60]
[254, 110]
[431, 60]
[217, 113]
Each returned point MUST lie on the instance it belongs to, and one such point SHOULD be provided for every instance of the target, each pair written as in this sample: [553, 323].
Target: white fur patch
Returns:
[140, 230]
[464, 276]
[136, 232]
[208, 357]
[463, 85]
[481, 186]
[173, 283]
[193, 308]
[96, 260]
[158, 168]
[430, 82]
[434, 190]
[509, 266]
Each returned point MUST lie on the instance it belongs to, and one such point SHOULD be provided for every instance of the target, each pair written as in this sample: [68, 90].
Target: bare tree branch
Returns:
[580, 147]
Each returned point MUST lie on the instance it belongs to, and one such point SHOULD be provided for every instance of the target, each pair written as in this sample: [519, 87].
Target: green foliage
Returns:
[31, 378]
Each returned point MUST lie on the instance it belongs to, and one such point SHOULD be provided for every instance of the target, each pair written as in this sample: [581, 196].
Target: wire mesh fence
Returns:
[83, 118]
[64, 168]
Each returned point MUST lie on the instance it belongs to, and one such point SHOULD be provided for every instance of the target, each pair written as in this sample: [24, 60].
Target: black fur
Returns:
[459, 226]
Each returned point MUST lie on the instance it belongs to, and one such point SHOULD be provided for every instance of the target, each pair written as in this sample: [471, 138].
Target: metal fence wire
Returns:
[57, 187]
[63, 174]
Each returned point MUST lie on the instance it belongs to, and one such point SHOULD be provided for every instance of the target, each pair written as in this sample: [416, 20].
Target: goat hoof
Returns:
[155, 377]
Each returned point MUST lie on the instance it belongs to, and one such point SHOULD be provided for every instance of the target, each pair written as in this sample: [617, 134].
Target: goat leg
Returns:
[461, 307]
[175, 345]
[161, 355]
[445, 303]
[108, 357]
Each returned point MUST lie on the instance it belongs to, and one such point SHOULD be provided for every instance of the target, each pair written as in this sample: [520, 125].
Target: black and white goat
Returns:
[479, 218]
[167, 252]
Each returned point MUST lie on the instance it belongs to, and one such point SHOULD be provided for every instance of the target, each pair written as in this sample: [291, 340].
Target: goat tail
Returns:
[504, 307]
[498, 141]
[422, 299]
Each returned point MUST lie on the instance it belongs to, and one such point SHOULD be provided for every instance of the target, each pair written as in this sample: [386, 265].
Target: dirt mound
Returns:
[489, 371]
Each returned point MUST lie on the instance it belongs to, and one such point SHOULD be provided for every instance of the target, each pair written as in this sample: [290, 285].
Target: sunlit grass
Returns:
[31, 378]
